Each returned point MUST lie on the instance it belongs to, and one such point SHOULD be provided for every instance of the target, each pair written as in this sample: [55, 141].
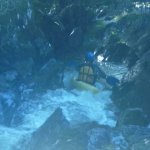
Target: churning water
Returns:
[77, 106]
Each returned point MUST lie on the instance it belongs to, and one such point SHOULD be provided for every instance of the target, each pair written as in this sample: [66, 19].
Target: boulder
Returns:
[98, 137]
[73, 16]
[50, 75]
[135, 116]
[133, 92]
[49, 135]
[143, 144]
[137, 137]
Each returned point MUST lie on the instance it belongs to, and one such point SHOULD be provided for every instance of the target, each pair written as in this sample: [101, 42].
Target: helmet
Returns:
[89, 57]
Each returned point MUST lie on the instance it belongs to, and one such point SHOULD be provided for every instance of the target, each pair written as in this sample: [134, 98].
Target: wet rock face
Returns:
[76, 16]
[50, 75]
[117, 52]
[134, 116]
[134, 93]
[65, 29]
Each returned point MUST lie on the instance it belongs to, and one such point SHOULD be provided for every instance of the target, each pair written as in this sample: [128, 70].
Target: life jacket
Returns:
[86, 74]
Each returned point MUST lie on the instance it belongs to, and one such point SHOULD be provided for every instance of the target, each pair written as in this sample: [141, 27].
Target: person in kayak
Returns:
[90, 72]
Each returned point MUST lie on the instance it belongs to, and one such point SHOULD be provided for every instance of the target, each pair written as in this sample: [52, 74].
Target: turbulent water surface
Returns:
[78, 107]
[81, 107]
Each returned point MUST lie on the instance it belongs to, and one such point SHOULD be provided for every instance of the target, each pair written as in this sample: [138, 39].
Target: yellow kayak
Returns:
[82, 86]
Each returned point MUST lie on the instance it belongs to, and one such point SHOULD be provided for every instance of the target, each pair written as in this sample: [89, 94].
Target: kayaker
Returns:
[90, 72]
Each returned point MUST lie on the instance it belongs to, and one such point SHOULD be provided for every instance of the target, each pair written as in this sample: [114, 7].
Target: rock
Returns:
[45, 51]
[133, 92]
[118, 52]
[49, 135]
[143, 144]
[134, 116]
[57, 134]
[75, 38]
[56, 36]
[98, 138]
[105, 138]
[73, 16]
[137, 137]
[25, 67]
[50, 75]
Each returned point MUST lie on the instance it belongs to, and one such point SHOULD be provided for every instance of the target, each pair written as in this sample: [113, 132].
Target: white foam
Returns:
[9, 137]
[77, 108]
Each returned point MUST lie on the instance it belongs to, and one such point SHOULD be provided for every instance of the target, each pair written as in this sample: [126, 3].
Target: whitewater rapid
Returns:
[78, 107]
